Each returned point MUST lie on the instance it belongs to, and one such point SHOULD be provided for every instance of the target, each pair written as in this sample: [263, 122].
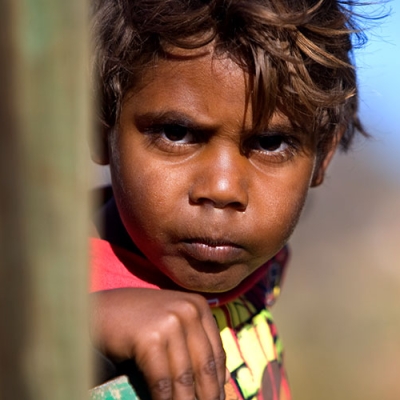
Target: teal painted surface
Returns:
[117, 389]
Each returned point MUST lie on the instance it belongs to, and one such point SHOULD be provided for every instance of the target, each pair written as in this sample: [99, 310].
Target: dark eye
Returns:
[272, 143]
[177, 133]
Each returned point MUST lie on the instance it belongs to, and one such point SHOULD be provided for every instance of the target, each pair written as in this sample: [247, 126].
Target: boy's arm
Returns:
[172, 336]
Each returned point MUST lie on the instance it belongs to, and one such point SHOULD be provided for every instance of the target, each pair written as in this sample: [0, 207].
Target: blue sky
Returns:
[379, 81]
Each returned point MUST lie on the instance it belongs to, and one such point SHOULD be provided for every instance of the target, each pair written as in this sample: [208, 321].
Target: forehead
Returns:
[198, 82]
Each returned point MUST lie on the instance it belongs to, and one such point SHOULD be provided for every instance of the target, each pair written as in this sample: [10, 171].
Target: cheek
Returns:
[279, 204]
[291, 210]
[146, 194]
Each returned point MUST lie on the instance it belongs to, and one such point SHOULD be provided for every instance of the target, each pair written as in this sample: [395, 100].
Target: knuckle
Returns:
[186, 379]
[171, 323]
[154, 338]
[220, 359]
[190, 310]
[201, 301]
[210, 368]
[163, 389]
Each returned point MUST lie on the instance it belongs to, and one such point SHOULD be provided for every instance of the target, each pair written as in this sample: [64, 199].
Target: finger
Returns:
[154, 364]
[214, 336]
[207, 354]
[181, 368]
[207, 385]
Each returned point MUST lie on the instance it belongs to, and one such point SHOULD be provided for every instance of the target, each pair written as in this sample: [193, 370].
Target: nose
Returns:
[221, 179]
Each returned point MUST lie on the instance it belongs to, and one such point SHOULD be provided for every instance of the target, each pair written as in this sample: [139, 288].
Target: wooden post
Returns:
[44, 121]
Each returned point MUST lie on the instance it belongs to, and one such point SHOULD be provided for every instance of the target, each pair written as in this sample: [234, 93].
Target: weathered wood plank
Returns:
[45, 119]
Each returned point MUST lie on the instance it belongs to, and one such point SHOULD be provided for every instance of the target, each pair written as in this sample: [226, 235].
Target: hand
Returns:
[171, 335]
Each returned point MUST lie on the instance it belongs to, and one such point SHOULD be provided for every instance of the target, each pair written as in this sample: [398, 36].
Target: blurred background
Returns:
[339, 313]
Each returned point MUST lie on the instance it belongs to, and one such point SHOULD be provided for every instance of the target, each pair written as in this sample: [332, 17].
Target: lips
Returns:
[215, 251]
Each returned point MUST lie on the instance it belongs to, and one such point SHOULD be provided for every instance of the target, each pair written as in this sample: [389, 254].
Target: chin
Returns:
[212, 284]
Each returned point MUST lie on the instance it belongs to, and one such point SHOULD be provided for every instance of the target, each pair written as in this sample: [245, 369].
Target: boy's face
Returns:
[202, 195]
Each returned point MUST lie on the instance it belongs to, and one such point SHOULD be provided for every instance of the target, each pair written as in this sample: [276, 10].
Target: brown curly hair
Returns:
[297, 54]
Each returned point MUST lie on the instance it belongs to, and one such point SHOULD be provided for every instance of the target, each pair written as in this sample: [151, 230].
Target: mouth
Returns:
[214, 251]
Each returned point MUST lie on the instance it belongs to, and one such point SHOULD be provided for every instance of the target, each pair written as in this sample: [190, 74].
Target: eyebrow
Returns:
[172, 118]
[284, 127]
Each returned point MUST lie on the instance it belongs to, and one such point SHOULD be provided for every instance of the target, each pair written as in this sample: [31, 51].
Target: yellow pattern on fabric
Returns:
[250, 343]
[233, 358]
[252, 352]
[248, 305]
[248, 385]
[234, 313]
[220, 318]
[250, 347]
[240, 311]
[264, 332]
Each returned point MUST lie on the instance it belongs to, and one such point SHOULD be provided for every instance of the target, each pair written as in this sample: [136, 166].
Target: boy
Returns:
[218, 115]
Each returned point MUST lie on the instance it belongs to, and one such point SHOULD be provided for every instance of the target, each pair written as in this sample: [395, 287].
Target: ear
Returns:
[322, 164]
[99, 146]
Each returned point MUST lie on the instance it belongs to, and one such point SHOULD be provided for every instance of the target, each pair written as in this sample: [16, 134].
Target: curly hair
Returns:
[297, 54]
